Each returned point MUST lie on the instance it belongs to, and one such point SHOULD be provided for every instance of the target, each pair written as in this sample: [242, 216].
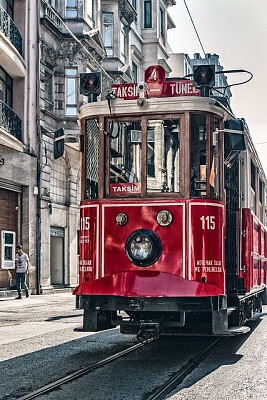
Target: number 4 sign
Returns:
[155, 73]
[155, 78]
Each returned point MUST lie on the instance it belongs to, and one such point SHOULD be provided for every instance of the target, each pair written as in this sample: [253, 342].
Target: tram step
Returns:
[235, 330]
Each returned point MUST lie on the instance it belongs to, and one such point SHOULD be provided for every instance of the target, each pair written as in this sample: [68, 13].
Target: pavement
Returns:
[7, 293]
[26, 318]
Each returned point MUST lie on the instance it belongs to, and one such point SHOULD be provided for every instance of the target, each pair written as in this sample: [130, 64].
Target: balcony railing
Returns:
[10, 121]
[10, 30]
[51, 18]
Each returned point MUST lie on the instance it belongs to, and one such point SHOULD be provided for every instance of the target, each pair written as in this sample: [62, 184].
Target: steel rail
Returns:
[77, 374]
[174, 381]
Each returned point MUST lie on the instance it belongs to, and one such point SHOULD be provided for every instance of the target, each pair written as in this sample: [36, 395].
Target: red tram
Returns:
[172, 231]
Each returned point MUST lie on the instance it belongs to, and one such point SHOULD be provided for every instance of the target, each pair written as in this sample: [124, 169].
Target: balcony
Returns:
[50, 18]
[127, 11]
[10, 30]
[11, 46]
[9, 122]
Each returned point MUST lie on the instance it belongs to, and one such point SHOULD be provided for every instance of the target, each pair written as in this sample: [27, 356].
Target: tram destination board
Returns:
[156, 86]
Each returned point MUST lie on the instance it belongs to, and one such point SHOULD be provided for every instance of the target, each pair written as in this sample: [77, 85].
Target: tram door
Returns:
[57, 256]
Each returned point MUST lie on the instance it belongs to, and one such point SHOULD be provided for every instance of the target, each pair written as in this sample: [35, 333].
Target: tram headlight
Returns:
[164, 218]
[143, 247]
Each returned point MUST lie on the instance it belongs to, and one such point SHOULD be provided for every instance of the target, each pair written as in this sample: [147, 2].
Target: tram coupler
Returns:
[148, 330]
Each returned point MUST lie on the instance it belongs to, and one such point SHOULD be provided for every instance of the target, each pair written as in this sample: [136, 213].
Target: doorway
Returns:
[57, 236]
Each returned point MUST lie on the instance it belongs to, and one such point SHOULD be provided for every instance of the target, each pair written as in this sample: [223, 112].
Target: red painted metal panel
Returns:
[143, 216]
[147, 284]
[88, 242]
[206, 243]
[254, 251]
[192, 248]
[246, 249]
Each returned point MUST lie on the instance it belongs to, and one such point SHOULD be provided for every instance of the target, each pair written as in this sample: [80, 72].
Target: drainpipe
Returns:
[39, 155]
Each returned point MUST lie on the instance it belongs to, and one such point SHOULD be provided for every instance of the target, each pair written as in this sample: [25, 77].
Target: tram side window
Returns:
[198, 155]
[125, 156]
[163, 156]
[92, 155]
[261, 200]
[253, 187]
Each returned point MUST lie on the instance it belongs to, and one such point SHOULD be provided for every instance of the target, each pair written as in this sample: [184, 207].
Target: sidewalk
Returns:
[9, 293]
[37, 315]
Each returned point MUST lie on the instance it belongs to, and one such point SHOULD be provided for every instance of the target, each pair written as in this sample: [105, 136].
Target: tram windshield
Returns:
[152, 155]
[125, 156]
[161, 153]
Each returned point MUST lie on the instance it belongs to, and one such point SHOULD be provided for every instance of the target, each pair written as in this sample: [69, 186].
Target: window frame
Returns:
[90, 9]
[49, 99]
[123, 42]
[143, 181]
[109, 24]
[71, 9]
[9, 7]
[7, 81]
[161, 23]
[147, 14]
[71, 77]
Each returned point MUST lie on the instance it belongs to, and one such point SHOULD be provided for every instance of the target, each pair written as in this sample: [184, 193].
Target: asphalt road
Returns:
[236, 370]
[40, 342]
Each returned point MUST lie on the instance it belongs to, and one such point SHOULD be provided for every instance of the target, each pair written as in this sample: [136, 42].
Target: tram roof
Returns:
[153, 105]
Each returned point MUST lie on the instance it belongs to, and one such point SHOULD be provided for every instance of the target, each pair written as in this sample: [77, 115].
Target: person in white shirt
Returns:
[22, 268]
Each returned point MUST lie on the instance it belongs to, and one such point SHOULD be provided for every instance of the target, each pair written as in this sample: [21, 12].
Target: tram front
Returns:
[153, 216]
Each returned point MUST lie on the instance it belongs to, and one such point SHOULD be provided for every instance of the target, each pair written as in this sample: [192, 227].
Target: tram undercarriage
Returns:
[147, 317]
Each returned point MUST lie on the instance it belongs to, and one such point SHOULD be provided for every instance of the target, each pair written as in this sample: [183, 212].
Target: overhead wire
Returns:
[190, 16]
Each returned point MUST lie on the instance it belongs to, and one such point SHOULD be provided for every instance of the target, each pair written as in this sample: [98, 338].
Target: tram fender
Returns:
[147, 284]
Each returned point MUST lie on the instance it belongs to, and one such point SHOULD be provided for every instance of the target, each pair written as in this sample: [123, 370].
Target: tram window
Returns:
[253, 187]
[163, 156]
[125, 157]
[261, 199]
[92, 143]
[198, 155]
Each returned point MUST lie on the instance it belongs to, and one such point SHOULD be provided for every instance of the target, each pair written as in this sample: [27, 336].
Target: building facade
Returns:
[45, 45]
[18, 136]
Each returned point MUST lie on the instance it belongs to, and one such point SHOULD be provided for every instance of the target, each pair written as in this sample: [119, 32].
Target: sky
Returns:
[236, 30]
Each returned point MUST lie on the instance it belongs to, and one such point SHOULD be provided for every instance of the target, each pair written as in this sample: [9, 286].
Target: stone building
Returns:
[45, 46]
[19, 137]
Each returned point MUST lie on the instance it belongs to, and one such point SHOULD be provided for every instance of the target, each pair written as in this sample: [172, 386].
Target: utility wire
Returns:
[91, 57]
[195, 28]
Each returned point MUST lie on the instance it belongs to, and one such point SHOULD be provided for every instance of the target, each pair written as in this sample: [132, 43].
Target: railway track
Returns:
[174, 381]
[158, 394]
[85, 370]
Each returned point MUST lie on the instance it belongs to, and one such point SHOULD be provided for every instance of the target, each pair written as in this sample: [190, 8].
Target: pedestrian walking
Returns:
[22, 268]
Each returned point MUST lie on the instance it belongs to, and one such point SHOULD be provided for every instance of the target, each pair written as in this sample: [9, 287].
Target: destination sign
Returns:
[157, 86]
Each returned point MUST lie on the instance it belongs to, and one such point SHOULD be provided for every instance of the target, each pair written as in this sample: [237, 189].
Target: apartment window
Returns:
[8, 6]
[123, 43]
[71, 91]
[135, 72]
[52, 3]
[161, 23]
[107, 22]
[6, 88]
[147, 14]
[90, 8]
[71, 9]
[49, 87]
